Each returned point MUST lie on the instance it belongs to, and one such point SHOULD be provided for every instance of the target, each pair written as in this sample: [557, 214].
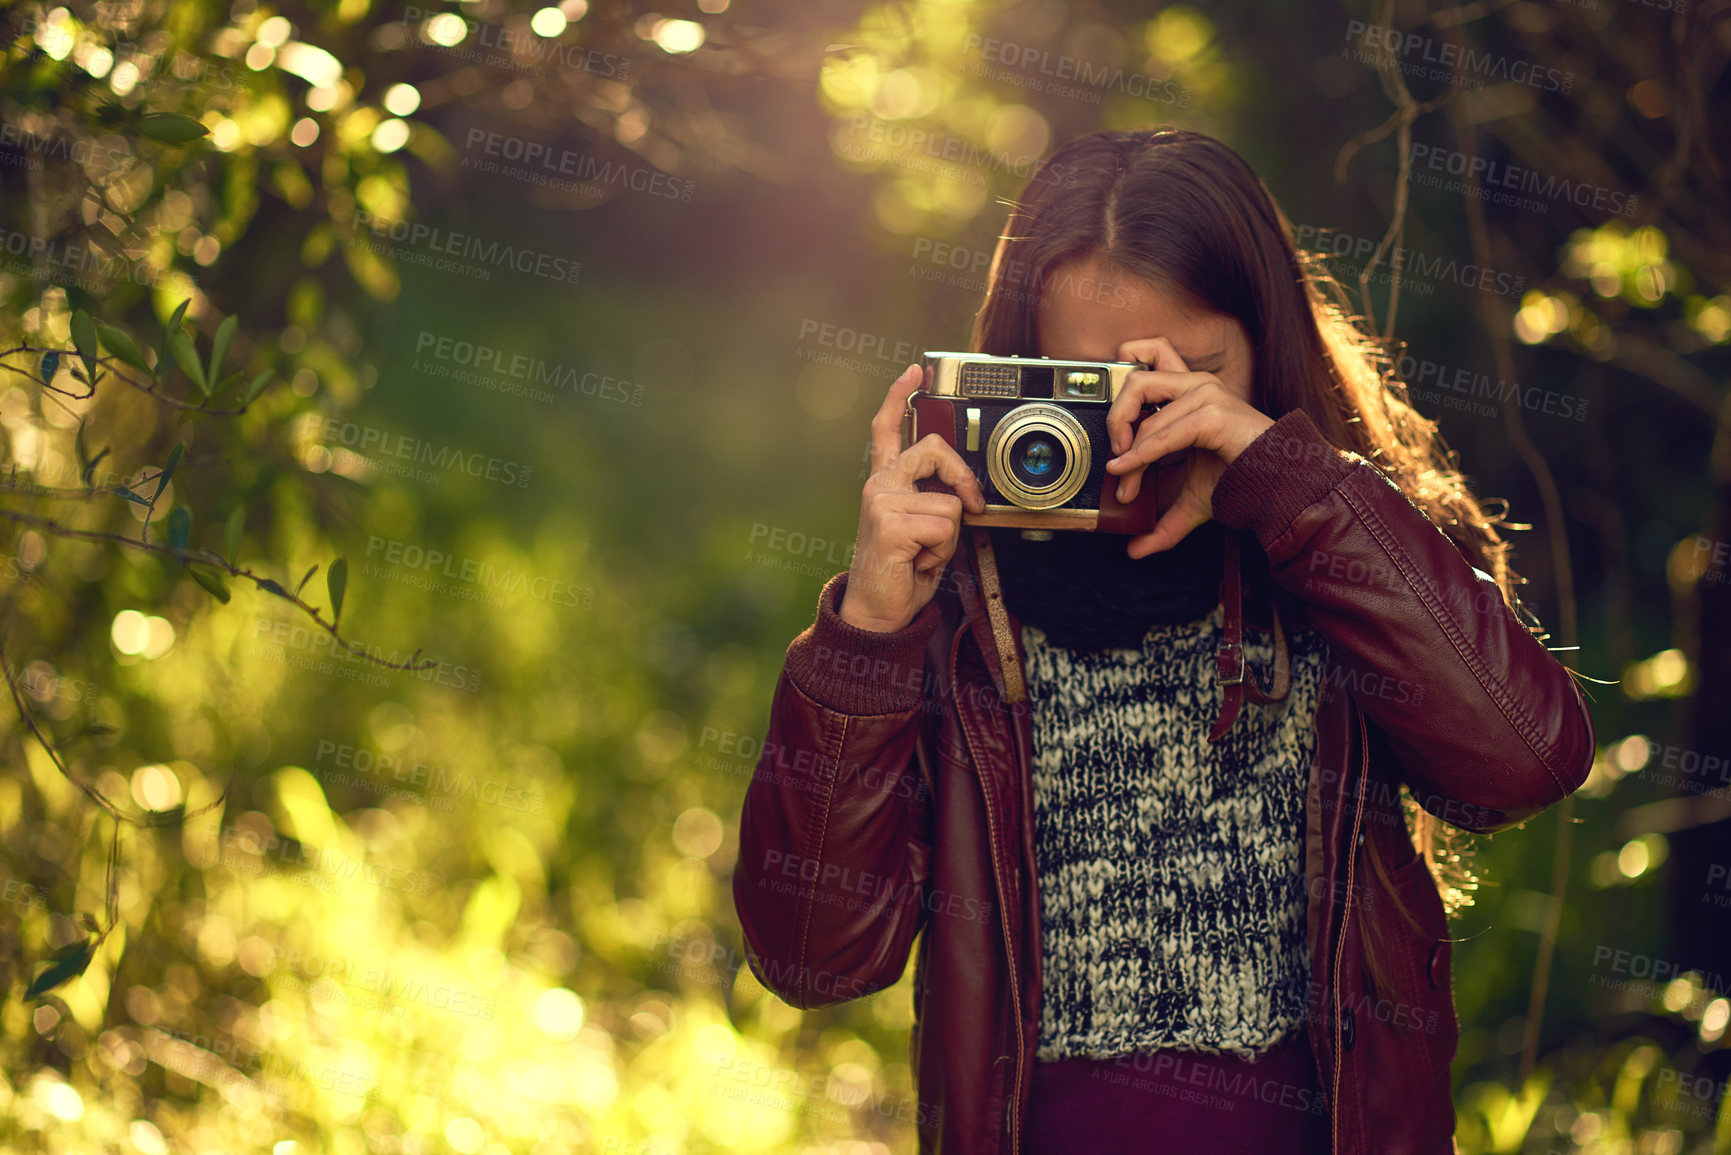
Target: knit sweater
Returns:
[1171, 871]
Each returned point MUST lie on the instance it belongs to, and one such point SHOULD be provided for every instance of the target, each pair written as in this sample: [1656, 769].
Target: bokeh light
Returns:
[548, 22]
[401, 99]
[678, 36]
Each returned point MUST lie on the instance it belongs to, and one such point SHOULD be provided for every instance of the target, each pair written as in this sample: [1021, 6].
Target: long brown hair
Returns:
[1183, 211]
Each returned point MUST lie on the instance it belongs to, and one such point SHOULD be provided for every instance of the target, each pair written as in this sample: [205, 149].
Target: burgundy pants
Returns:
[1180, 1102]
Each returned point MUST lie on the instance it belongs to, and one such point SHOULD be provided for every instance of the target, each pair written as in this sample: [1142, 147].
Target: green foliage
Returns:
[211, 583]
[180, 345]
[84, 339]
[180, 527]
[219, 348]
[337, 584]
[65, 964]
[170, 331]
[483, 906]
[122, 346]
[168, 468]
[170, 128]
[232, 530]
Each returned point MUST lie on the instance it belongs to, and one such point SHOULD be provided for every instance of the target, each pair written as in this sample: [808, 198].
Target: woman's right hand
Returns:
[906, 536]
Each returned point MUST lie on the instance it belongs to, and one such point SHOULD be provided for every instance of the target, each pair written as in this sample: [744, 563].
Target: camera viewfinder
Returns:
[1084, 384]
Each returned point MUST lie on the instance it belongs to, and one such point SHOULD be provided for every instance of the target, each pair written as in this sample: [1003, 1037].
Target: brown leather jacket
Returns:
[893, 795]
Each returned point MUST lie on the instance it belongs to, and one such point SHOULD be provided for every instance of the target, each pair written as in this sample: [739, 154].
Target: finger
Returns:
[932, 455]
[1156, 352]
[913, 534]
[921, 540]
[1173, 527]
[928, 576]
[1189, 429]
[933, 504]
[931, 531]
[887, 424]
[932, 559]
[1146, 387]
[937, 556]
[1139, 455]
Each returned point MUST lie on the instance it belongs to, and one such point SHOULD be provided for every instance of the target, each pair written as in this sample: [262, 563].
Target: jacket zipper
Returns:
[1003, 925]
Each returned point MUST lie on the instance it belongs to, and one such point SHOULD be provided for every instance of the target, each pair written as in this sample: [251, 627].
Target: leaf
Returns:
[187, 358]
[113, 879]
[174, 456]
[226, 382]
[69, 962]
[219, 348]
[90, 469]
[170, 128]
[271, 587]
[122, 346]
[122, 491]
[212, 584]
[170, 329]
[257, 386]
[180, 526]
[337, 583]
[84, 339]
[50, 366]
[306, 579]
[236, 522]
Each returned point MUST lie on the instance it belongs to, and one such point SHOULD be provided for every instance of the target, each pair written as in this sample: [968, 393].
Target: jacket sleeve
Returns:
[834, 842]
[1487, 726]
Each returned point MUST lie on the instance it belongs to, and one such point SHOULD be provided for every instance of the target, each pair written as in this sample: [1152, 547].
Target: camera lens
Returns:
[1038, 456]
[1037, 459]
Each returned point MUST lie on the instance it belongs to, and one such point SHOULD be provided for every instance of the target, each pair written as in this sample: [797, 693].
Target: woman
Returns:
[1163, 908]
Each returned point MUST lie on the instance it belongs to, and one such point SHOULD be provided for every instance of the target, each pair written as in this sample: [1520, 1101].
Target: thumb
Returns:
[1173, 527]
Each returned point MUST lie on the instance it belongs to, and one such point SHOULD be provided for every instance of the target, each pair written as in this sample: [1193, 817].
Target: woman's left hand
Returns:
[1198, 413]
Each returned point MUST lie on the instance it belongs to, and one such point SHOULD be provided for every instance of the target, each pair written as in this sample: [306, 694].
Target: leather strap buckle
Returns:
[1229, 667]
[1229, 664]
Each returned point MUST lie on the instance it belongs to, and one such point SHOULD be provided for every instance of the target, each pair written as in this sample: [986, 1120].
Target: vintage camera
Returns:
[1033, 430]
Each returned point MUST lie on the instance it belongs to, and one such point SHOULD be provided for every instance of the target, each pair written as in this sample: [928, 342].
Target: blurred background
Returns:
[389, 632]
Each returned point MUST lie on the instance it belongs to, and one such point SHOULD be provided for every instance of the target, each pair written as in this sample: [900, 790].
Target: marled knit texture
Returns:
[1171, 871]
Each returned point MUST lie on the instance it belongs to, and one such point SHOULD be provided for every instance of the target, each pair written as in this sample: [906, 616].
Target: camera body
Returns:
[1033, 430]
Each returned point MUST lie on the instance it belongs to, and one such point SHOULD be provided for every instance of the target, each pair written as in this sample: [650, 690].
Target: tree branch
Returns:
[216, 561]
[150, 389]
